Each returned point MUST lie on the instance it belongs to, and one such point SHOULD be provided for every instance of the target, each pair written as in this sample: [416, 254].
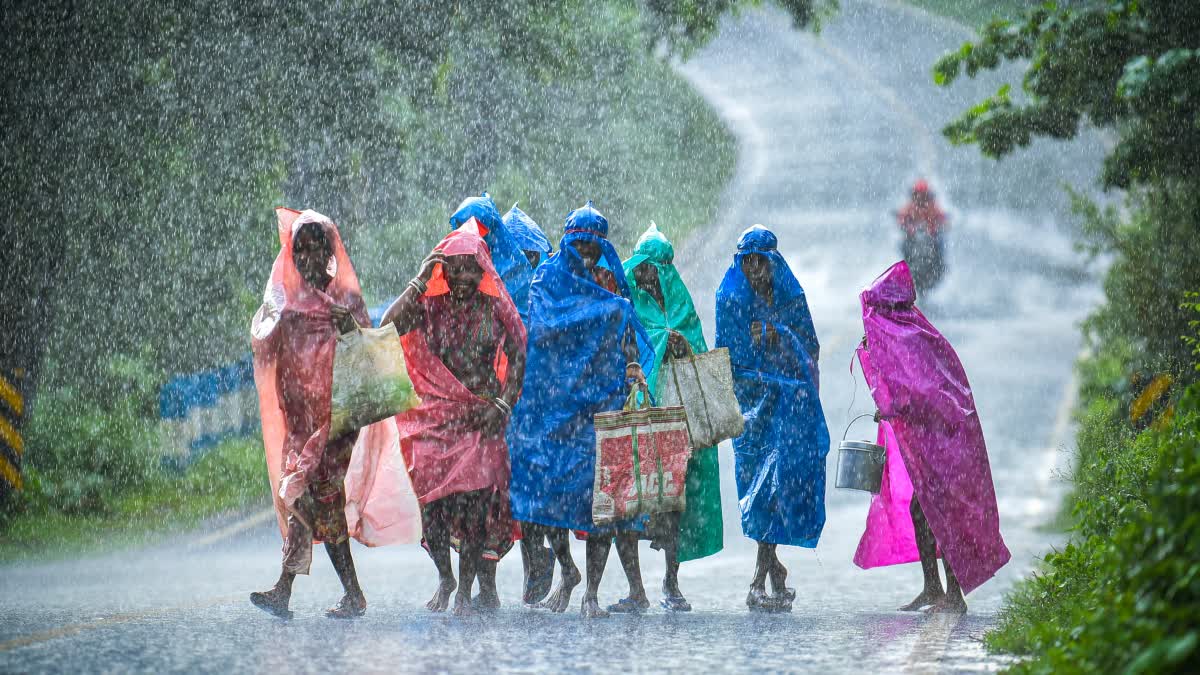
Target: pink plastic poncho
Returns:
[443, 458]
[934, 441]
[293, 333]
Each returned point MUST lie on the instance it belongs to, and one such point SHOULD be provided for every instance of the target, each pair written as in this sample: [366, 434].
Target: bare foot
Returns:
[349, 607]
[487, 600]
[758, 601]
[274, 601]
[441, 597]
[779, 579]
[630, 605]
[539, 577]
[590, 609]
[926, 598]
[462, 605]
[560, 599]
[949, 604]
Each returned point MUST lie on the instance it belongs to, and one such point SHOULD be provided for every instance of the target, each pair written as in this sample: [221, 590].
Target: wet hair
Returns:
[314, 230]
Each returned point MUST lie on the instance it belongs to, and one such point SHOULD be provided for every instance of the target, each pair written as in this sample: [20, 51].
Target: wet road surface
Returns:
[831, 130]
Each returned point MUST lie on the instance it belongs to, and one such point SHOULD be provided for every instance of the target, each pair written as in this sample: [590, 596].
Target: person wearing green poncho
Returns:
[665, 308]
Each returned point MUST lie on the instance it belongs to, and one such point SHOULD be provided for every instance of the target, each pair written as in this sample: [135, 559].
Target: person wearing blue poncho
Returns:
[584, 342]
[528, 235]
[779, 461]
[507, 256]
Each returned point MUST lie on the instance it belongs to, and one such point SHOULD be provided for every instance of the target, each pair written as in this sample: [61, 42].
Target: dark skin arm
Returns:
[493, 420]
[405, 313]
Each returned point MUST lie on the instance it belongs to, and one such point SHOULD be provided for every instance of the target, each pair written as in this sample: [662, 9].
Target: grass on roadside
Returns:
[230, 478]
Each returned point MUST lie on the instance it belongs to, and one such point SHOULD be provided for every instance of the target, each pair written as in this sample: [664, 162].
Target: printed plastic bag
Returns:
[370, 380]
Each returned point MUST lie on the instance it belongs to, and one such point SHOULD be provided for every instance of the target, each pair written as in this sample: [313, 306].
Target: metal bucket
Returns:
[860, 463]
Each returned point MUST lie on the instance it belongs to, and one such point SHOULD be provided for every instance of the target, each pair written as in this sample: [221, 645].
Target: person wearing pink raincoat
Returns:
[464, 344]
[311, 297]
[937, 495]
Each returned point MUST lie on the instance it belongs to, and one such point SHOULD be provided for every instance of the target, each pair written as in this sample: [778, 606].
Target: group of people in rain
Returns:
[513, 348]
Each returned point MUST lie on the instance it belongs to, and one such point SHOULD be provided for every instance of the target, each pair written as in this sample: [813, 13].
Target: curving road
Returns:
[831, 129]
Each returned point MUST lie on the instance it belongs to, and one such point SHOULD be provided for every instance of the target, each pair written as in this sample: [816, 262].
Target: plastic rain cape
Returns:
[528, 235]
[445, 459]
[700, 529]
[575, 368]
[921, 389]
[779, 460]
[294, 341]
[507, 257]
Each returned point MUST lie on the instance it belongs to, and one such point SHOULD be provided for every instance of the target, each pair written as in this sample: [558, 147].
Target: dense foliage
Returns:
[1124, 593]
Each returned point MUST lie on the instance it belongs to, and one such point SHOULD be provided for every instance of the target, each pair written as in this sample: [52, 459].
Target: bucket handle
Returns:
[870, 414]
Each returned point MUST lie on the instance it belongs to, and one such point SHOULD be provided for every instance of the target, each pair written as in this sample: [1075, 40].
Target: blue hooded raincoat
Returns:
[575, 369]
[528, 235]
[507, 256]
[779, 460]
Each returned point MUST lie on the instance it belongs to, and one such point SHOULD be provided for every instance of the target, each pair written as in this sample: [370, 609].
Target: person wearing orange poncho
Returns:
[464, 344]
[312, 296]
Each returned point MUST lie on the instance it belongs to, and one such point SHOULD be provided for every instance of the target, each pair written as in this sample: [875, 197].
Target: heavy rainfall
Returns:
[664, 335]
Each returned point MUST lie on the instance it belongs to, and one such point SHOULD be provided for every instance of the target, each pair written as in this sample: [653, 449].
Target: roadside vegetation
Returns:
[1124, 593]
[151, 145]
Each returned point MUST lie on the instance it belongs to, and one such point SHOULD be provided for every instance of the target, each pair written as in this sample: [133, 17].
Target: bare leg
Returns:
[597, 557]
[757, 599]
[489, 597]
[437, 538]
[470, 552]
[673, 599]
[275, 601]
[560, 599]
[627, 552]
[353, 603]
[953, 601]
[927, 548]
[537, 562]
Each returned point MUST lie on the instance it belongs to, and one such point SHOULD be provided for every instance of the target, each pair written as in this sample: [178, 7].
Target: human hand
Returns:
[772, 335]
[492, 420]
[878, 416]
[756, 331]
[432, 260]
[678, 345]
[633, 371]
[343, 320]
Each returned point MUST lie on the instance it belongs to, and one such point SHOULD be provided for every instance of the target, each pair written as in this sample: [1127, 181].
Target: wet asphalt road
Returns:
[831, 130]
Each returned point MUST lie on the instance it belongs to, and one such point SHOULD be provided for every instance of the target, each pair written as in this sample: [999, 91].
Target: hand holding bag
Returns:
[703, 385]
[370, 380]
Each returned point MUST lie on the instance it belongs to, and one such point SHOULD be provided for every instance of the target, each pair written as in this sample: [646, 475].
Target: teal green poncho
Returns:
[700, 530]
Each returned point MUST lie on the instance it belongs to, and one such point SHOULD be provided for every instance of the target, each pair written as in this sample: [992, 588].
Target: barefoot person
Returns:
[311, 297]
[584, 341]
[465, 348]
[937, 494]
[779, 461]
[665, 309]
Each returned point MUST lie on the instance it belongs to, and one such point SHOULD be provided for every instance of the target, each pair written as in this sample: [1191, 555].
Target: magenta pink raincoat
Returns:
[934, 441]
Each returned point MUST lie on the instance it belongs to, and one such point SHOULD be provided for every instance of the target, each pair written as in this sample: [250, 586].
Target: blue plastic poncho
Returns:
[575, 369]
[779, 460]
[507, 256]
[528, 235]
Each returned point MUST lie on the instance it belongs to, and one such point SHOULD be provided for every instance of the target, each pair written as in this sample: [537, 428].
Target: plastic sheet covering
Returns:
[575, 369]
[779, 461]
[701, 530]
[508, 258]
[921, 389]
[527, 233]
[294, 341]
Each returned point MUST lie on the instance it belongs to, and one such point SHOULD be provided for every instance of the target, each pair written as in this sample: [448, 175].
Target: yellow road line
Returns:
[10, 436]
[10, 473]
[11, 396]
[116, 619]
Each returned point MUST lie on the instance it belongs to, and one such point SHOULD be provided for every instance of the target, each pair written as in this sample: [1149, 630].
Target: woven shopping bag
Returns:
[642, 455]
[703, 385]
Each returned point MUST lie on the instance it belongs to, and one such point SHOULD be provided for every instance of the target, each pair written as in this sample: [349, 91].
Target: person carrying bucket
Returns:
[936, 496]
[779, 460]
[665, 309]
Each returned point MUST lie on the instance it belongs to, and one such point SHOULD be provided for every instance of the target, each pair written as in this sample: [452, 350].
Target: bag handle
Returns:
[870, 414]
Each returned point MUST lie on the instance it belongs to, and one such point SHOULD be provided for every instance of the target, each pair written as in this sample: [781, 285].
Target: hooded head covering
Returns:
[443, 459]
[780, 457]
[575, 369]
[700, 527]
[587, 224]
[507, 257]
[294, 341]
[528, 235]
[933, 437]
